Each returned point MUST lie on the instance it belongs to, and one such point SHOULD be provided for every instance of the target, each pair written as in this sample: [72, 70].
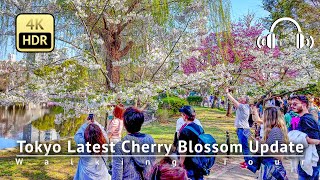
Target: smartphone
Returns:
[110, 117]
[90, 117]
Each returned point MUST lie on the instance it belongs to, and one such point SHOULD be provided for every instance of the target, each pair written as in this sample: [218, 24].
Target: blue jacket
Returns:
[90, 167]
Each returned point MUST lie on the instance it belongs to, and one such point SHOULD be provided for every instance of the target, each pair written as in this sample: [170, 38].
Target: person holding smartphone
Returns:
[115, 126]
[90, 118]
[241, 123]
[92, 167]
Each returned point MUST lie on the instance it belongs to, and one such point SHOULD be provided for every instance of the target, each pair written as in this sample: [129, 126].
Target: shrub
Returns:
[162, 95]
[163, 115]
[165, 95]
[194, 100]
[172, 104]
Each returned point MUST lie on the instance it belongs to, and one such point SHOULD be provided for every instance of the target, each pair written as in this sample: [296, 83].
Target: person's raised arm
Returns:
[179, 124]
[232, 99]
[79, 136]
[255, 115]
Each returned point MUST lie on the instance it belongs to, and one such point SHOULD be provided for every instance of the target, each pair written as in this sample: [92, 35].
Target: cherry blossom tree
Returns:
[250, 70]
[141, 41]
[104, 31]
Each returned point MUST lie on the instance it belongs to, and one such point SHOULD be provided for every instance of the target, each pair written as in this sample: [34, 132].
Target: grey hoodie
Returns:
[128, 169]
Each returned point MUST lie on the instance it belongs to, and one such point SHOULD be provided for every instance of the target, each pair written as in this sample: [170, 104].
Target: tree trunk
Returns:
[214, 102]
[114, 49]
[14, 114]
[39, 133]
[229, 110]
[106, 120]
[108, 63]
[113, 73]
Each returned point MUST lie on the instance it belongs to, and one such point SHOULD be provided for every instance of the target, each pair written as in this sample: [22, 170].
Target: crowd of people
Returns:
[213, 101]
[281, 120]
[124, 165]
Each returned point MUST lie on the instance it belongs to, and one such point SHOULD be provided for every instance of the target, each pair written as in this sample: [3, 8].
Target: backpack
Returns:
[205, 161]
[294, 122]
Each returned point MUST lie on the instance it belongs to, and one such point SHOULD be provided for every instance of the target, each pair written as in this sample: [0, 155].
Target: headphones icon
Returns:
[271, 38]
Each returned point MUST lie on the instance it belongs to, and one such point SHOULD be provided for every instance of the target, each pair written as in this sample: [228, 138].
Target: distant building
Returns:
[11, 57]
[32, 134]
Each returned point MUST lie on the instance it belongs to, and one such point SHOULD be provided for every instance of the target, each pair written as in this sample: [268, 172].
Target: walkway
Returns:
[232, 170]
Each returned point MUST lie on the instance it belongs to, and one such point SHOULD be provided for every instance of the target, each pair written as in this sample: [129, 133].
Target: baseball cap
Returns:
[188, 110]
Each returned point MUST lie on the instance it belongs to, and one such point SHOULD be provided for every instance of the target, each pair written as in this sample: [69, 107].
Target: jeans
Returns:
[243, 136]
[193, 175]
[304, 176]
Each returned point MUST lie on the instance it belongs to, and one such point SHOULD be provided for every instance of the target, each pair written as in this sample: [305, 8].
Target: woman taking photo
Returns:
[93, 167]
[115, 126]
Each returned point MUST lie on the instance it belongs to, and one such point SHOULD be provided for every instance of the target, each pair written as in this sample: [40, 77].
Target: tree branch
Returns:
[126, 49]
[93, 49]
[175, 43]
[282, 94]
[100, 15]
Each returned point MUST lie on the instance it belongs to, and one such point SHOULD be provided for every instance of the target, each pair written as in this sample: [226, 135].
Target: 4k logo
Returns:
[35, 32]
[38, 24]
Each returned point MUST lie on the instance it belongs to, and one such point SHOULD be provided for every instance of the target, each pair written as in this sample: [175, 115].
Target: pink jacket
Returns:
[115, 128]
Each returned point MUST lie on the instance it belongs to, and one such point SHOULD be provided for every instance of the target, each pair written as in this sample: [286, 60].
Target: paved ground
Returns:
[233, 171]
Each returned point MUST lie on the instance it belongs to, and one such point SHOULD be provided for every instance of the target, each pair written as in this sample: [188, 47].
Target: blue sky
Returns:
[242, 7]
[239, 8]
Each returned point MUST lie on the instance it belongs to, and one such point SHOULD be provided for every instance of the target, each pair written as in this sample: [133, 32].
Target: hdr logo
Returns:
[35, 33]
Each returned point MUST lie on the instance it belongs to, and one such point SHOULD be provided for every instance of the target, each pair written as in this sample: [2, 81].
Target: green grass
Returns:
[214, 122]
[35, 168]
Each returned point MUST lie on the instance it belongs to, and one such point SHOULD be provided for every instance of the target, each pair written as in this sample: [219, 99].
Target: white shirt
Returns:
[181, 122]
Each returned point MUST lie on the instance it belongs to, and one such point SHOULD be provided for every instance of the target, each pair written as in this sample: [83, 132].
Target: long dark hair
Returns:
[94, 135]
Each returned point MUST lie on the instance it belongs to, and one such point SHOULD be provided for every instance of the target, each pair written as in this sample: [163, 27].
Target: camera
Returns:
[90, 117]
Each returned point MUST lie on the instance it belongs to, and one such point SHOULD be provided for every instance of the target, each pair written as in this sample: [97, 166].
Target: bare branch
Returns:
[100, 15]
[175, 43]
[93, 49]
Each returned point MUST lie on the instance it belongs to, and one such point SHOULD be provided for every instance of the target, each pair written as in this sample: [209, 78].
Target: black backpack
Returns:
[205, 161]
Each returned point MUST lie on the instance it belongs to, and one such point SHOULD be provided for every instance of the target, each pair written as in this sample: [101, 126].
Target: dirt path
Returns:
[232, 171]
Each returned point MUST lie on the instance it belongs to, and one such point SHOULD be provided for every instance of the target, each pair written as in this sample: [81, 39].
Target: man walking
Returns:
[188, 136]
[181, 122]
[308, 125]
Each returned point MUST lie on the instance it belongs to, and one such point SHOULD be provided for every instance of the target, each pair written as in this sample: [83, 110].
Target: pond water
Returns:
[34, 123]
[38, 123]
